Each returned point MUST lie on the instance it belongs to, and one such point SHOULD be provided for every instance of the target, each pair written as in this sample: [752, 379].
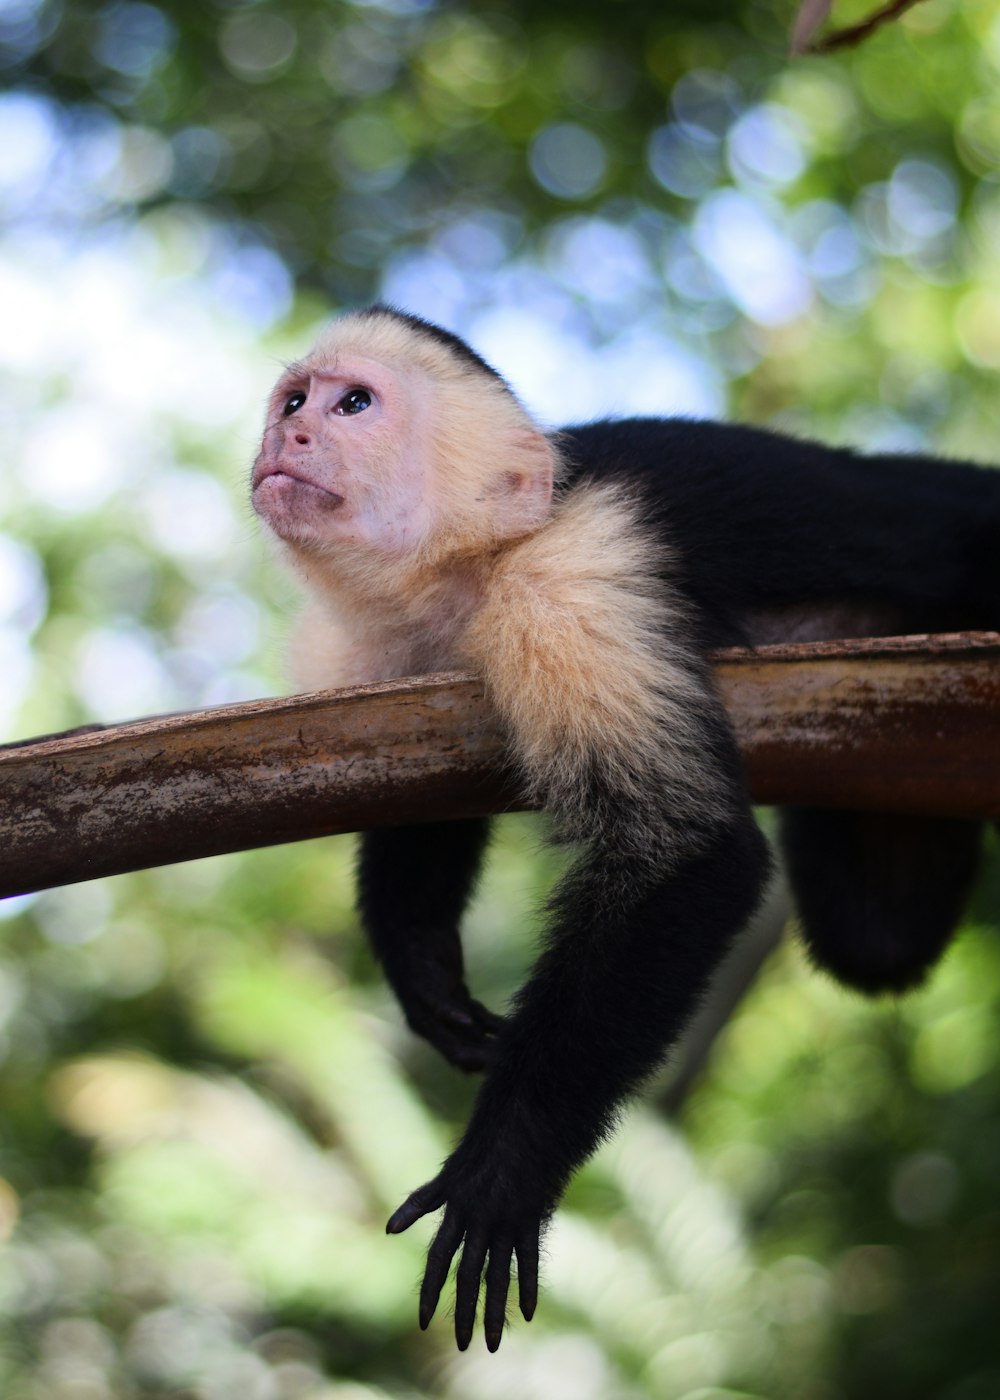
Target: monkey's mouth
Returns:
[278, 483]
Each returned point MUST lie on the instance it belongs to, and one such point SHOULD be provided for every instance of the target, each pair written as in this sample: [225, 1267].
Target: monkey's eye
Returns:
[354, 401]
[293, 403]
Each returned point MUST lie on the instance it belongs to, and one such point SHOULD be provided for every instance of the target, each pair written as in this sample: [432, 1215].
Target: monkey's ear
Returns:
[527, 485]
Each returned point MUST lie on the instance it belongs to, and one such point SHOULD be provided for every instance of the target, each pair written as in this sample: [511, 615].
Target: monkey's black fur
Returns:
[757, 530]
[759, 522]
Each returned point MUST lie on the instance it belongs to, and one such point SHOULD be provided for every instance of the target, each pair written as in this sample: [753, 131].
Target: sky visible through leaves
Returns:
[208, 1105]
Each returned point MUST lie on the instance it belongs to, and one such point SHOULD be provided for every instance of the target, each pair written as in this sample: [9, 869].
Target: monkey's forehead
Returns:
[344, 362]
[405, 341]
[381, 338]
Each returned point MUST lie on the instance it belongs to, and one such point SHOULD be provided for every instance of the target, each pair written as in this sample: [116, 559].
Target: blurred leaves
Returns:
[342, 132]
[208, 1103]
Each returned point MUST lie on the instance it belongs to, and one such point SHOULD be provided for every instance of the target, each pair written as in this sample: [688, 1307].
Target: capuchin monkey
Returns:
[586, 575]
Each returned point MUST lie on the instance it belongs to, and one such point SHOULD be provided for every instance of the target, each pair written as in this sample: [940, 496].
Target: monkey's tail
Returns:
[879, 896]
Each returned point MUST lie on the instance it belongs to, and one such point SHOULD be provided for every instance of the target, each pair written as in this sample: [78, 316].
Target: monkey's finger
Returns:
[461, 1010]
[469, 1051]
[439, 1258]
[497, 1284]
[458, 1010]
[526, 1249]
[486, 1019]
[468, 1038]
[454, 1014]
[467, 1281]
[472, 1058]
[421, 1202]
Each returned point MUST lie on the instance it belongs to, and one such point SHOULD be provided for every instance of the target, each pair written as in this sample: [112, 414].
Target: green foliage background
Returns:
[208, 1103]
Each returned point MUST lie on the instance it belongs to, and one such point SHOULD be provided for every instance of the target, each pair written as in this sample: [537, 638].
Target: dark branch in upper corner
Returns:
[812, 13]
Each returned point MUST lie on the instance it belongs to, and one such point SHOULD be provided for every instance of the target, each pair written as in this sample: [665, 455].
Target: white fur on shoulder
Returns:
[583, 645]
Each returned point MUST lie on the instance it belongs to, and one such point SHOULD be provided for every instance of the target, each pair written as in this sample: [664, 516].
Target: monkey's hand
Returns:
[430, 985]
[492, 1220]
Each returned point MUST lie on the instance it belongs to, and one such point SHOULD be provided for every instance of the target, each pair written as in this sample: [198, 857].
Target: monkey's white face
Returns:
[344, 459]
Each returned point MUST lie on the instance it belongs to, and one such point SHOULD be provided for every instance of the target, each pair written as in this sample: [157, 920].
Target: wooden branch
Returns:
[896, 724]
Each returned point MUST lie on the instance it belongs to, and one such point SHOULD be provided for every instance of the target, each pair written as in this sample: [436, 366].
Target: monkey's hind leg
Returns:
[879, 895]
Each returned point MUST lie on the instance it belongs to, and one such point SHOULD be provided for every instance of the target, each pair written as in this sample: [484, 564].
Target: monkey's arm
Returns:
[623, 970]
[414, 883]
[611, 713]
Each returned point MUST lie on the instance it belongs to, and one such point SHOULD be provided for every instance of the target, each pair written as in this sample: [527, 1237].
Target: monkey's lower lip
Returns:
[285, 483]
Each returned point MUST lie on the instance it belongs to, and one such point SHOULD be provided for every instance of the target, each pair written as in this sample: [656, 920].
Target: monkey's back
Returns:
[758, 521]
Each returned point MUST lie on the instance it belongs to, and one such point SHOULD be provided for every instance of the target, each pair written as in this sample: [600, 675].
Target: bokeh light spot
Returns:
[568, 161]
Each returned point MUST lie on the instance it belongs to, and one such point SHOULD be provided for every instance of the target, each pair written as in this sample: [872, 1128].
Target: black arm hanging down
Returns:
[414, 882]
[608, 997]
[632, 943]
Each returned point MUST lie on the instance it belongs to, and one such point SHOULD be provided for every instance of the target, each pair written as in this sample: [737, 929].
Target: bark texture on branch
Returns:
[896, 724]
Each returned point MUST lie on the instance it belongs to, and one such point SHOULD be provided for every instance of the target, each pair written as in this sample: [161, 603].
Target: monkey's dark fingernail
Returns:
[400, 1220]
[528, 1310]
[493, 1340]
